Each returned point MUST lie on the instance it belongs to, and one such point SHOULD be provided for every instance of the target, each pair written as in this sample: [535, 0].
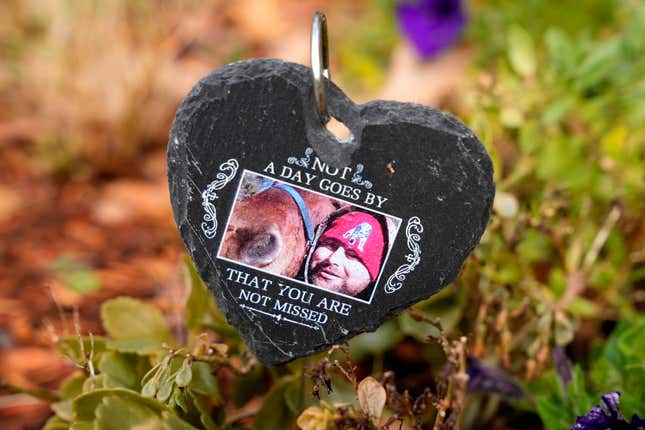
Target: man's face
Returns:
[337, 268]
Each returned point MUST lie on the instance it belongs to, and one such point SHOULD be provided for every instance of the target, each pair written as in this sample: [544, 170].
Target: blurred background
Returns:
[554, 89]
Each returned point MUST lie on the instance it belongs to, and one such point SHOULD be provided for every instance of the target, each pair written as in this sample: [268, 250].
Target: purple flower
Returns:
[609, 417]
[431, 25]
[488, 379]
[562, 365]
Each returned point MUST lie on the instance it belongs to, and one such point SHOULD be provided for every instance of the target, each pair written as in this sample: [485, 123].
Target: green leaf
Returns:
[559, 405]
[417, 329]
[557, 281]
[557, 109]
[56, 423]
[562, 51]
[565, 161]
[582, 307]
[70, 346]
[550, 411]
[185, 374]
[75, 275]
[116, 409]
[81, 425]
[94, 383]
[116, 413]
[72, 386]
[201, 309]
[134, 325]
[631, 343]
[599, 65]
[121, 370]
[127, 318]
[203, 381]
[274, 414]
[447, 305]
[564, 330]
[173, 422]
[293, 397]
[63, 409]
[521, 53]
[179, 397]
[85, 405]
[158, 375]
[165, 390]
[248, 385]
[205, 407]
[150, 388]
[579, 399]
[377, 342]
[135, 346]
[619, 366]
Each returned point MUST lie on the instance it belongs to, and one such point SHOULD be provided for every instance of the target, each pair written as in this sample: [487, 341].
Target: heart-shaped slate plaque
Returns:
[306, 240]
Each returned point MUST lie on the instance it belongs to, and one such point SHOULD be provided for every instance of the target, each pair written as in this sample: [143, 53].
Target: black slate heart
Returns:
[396, 211]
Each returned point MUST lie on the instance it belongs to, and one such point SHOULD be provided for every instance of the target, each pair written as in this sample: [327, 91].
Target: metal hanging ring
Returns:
[320, 61]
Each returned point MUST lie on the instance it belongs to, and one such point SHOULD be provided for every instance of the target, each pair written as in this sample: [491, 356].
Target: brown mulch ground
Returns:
[121, 229]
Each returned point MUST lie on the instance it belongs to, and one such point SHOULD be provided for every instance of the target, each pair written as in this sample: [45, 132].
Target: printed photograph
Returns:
[307, 236]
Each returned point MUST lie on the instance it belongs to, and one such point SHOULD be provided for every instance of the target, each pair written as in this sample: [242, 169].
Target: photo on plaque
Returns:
[307, 237]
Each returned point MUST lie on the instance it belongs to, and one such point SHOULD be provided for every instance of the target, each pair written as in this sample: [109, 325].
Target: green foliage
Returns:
[365, 49]
[560, 120]
[557, 113]
[559, 404]
[204, 382]
[619, 365]
[536, 16]
[521, 53]
[447, 305]
[82, 349]
[129, 319]
[75, 275]
[201, 310]
[280, 405]
[134, 379]
[122, 369]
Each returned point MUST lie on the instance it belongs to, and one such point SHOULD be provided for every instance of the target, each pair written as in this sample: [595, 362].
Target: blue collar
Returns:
[304, 213]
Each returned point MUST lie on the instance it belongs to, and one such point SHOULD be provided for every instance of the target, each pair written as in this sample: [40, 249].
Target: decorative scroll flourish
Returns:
[306, 162]
[228, 169]
[413, 233]
[303, 161]
[358, 178]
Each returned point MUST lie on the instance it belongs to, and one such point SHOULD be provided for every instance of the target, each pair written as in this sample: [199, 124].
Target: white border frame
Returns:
[387, 256]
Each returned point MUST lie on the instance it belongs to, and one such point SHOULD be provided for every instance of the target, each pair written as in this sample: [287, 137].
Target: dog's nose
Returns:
[262, 247]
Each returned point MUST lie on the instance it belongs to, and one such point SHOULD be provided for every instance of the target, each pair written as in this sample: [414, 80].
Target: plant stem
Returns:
[248, 413]
[305, 362]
